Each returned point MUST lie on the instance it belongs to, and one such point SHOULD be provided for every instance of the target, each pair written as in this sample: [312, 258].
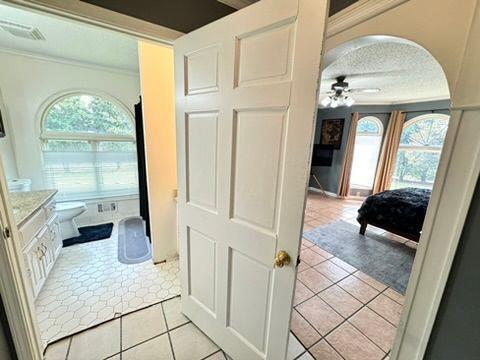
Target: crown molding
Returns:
[65, 61]
[75, 10]
[237, 4]
[357, 13]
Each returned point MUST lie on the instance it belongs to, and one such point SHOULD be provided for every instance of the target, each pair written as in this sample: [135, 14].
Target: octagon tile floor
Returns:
[88, 286]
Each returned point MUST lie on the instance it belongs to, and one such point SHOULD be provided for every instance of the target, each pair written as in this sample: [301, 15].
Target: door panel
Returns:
[265, 56]
[258, 139]
[246, 89]
[201, 251]
[250, 294]
[201, 132]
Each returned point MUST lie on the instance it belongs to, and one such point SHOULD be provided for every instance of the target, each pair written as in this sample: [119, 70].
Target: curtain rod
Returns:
[406, 112]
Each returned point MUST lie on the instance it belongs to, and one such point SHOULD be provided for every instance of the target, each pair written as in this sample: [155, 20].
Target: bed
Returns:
[401, 211]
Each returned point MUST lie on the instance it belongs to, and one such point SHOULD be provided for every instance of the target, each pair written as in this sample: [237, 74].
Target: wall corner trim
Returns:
[357, 13]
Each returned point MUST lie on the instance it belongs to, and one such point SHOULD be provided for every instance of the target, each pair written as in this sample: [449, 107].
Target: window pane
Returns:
[117, 163]
[70, 166]
[368, 125]
[420, 149]
[82, 169]
[88, 114]
[425, 132]
[415, 169]
[365, 158]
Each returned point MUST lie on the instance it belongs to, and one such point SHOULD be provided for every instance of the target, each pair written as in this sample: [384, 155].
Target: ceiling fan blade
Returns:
[365, 90]
[365, 75]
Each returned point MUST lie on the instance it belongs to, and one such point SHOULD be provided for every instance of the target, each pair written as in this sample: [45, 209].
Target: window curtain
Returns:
[344, 185]
[388, 156]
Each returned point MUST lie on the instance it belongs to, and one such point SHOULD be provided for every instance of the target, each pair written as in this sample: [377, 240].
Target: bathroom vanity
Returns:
[41, 242]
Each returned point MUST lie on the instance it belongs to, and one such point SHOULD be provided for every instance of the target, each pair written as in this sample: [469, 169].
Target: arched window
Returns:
[89, 147]
[367, 148]
[419, 152]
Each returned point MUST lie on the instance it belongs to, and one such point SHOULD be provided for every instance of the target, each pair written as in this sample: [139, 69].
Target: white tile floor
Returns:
[158, 332]
[89, 286]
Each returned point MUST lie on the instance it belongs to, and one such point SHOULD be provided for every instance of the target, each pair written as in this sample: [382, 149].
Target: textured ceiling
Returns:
[403, 72]
[71, 41]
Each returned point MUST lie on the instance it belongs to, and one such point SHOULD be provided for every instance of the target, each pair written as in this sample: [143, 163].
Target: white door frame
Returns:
[457, 175]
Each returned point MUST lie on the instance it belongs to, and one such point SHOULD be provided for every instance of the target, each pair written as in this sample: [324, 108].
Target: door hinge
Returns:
[6, 233]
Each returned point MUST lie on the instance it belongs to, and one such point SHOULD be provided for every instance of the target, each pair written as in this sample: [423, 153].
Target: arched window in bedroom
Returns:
[368, 140]
[419, 152]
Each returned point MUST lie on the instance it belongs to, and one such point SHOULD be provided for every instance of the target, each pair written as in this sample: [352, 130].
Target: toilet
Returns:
[66, 212]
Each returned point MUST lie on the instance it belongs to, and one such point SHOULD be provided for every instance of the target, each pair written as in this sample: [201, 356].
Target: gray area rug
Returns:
[133, 245]
[382, 259]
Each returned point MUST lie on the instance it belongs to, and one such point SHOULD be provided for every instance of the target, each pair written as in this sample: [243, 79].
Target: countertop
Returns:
[26, 203]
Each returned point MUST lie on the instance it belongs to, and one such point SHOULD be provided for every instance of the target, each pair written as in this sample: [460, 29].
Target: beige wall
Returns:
[158, 95]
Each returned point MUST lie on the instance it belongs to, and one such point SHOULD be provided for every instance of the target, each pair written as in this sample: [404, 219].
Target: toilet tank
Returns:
[16, 185]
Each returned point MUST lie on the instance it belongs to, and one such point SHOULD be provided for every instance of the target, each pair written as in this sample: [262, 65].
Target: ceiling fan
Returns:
[340, 93]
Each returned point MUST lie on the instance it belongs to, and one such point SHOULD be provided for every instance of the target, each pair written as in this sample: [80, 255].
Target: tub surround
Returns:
[27, 203]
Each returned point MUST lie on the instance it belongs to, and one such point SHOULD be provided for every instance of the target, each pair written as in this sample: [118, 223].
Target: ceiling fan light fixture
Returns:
[334, 103]
[349, 101]
[326, 101]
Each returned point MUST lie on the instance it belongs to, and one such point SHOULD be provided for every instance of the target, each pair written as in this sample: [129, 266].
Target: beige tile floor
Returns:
[340, 312]
[88, 286]
[158, 332]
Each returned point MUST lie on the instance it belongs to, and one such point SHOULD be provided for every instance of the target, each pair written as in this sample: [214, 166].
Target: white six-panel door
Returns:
[246, 89]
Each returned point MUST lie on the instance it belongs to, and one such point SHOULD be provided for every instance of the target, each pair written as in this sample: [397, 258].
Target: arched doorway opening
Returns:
[384, 100]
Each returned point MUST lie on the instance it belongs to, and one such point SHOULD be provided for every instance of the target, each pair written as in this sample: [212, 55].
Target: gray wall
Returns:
[329, 175]
[456, 332]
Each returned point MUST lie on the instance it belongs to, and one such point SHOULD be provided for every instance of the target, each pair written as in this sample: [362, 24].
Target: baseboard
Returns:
[314, 189]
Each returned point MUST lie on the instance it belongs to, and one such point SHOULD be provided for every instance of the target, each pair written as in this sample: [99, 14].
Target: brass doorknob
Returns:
[282, 259]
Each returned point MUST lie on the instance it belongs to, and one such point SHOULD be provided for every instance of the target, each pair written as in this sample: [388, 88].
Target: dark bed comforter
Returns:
[402, 209]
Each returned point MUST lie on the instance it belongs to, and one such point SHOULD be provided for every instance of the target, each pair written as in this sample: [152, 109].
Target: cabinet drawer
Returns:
[32, 227]
[49, 209]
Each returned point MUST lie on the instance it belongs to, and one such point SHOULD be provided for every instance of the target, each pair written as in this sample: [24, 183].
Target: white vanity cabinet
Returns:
[41, 244]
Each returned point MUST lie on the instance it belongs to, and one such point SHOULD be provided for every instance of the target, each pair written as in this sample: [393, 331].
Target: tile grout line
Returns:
[121, 337]
[324, 337]
[347, 318]
[337, 283]
[109, 320]
[168, 331]
[68, 348]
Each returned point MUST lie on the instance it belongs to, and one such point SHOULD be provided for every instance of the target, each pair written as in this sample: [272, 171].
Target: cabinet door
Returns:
[56, 237]
[34, 256]
[44, 244]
